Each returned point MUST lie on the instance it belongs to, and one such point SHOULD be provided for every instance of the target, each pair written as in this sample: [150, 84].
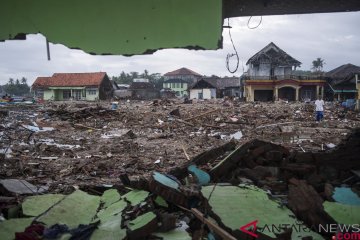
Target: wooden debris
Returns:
[307, 204]
[214, 227]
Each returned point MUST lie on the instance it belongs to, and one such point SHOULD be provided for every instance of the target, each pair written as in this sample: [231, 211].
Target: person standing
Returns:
[319, 104]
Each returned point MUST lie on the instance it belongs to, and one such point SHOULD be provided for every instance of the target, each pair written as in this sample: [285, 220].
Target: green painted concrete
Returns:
[238, 205]
[182, 90]
[49, 94]
[116, 26]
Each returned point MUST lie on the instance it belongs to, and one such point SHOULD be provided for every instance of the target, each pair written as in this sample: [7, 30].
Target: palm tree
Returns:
[11, 81]
[318, 65]
[23, 80]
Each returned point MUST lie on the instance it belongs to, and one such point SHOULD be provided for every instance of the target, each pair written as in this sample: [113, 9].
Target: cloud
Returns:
[333, 37]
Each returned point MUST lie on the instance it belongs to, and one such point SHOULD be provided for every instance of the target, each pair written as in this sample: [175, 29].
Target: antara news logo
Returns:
[339, 231]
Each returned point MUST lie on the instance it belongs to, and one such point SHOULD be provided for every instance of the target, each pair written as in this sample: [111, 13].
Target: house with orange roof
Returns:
[73, 86]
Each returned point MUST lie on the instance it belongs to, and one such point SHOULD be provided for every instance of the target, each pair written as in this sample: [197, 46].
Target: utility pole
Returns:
[357, 82]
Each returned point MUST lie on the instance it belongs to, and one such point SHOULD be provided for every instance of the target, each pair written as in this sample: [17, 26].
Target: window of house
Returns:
[77, 94]
[39, 93]
[92, 92]
[181, 84]
[66, 94]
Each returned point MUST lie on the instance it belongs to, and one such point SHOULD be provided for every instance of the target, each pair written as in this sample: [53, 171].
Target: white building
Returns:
[203, 90]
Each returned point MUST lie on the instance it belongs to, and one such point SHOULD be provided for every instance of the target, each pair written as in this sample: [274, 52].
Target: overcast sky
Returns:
[335, 37]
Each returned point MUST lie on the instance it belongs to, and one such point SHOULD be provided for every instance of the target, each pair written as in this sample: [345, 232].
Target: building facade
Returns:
[270, 77]
[178, 85]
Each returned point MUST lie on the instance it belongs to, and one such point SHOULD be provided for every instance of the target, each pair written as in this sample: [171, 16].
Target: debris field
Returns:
[164, 169]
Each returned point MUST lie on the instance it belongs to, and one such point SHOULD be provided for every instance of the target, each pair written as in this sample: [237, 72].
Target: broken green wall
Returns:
[239, 205]
[116, 26]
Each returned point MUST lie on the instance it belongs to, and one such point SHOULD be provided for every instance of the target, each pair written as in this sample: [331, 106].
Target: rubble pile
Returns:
[168, 170]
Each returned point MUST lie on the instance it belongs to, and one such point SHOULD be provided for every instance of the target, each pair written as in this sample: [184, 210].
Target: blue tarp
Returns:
[346, 196]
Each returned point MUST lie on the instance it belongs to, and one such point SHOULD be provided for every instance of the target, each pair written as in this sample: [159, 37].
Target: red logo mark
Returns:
[252, 230]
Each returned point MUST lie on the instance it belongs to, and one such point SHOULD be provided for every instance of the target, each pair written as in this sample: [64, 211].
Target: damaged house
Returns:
[226, 86]
[73, 86]
[203, 90]
[342, 82]
[141, 88]
[270, 77]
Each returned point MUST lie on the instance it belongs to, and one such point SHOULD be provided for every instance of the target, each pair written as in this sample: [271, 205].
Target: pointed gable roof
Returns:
[202, 84]
[275, 55]
[182, 71]
[70, 80]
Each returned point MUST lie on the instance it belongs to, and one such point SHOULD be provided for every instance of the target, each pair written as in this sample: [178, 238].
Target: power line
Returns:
[228, 56]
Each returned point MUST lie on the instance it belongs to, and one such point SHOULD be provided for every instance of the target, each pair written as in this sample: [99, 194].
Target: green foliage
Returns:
[318, 65]
[127, 78]
[17, 87]
[302, 73]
